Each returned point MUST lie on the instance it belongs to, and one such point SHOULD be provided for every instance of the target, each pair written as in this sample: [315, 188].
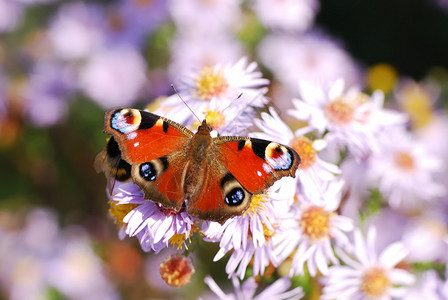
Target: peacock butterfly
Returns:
[214, 177]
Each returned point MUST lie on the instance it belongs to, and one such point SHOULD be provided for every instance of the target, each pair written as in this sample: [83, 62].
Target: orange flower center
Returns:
[404, 161]
[210, 83]
[304, 147]
[315, 222]
[339, 111]
[374, 283]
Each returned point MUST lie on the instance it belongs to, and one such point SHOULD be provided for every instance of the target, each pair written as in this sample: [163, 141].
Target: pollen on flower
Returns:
[119, 211]
[315, 222]
[178, 240]
[215, 119]
[374, 282]
[304, 147]
[257, 205]
[176, 270]
[339, 111]
[404, 161]
[210, 83]
[267, 232]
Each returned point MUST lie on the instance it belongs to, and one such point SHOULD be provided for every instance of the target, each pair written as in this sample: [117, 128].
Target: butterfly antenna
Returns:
[180, 97]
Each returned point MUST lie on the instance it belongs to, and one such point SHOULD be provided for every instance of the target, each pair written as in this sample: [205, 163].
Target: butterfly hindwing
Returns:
[220, 197]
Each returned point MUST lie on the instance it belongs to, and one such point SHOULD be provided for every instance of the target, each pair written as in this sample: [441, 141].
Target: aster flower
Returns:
[352, 119]
[309, 57]
[256, 233]
[239, 86]
[11, 14]
[277, 290]
[210, 16]
[114, 77]
[290, 15]
[404, 171]
[367, 274]
[313, 172]
[317, 229]
[154, 226]
[77, 30]
[428, 286]
[47, 92]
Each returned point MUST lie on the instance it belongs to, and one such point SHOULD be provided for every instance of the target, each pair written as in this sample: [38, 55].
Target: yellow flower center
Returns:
[179, 240]
[416, 101]
[215, 119]
[339, 111]
[257, 205]
[210, 83]
[374, 283]
[315, 222]
[404, 161]
[304, 147]
[382, 77]
[119, 211]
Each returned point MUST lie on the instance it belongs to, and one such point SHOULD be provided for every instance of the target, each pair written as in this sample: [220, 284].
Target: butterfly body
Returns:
[213, 178]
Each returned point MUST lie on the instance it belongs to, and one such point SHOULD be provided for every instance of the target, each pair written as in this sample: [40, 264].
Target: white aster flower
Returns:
[351, 118]
[313, 172]
[256, 233]
[239, 86]
[367, 274]
[114, 77]
[309, 57]
[289, 15]
[246, 291]
[211, 16]
[318, 227]
[154, 226]
[428, 286]
[404, 171]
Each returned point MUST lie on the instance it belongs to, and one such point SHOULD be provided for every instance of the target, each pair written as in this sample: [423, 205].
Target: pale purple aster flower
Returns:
[288, 15]
[154, 226]
[211, 16]
[308, 57]
[425, 236]
[313, 172]
[47, 92]
[277, 290]
[39, 255]
[77, 30]
[195, 52]
[129, 22]
[352, 119]
[318, 229]
[428, 286]
[76, 271]
[114, 77]
[11, 14]
[368, 274]
[404, 171]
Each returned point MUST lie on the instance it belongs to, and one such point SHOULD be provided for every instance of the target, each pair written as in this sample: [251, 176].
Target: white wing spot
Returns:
[136, 144]
[259, 173]
[131, 136]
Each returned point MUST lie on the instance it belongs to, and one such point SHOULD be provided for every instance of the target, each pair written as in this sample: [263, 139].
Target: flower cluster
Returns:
[363, 218]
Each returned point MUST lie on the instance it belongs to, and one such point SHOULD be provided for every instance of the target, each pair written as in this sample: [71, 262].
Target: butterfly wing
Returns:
[239, 167]
[155, 148]
[256, 164]
[220, 197]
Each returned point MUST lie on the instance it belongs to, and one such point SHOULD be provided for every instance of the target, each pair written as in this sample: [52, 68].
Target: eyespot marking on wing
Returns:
[125, 120]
